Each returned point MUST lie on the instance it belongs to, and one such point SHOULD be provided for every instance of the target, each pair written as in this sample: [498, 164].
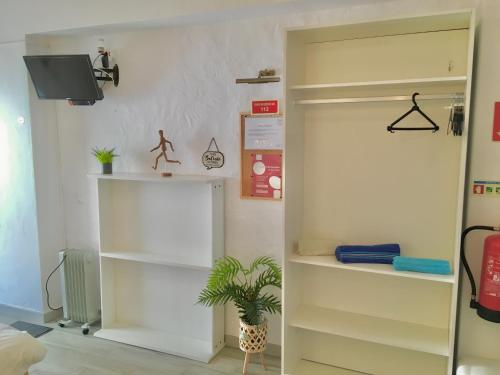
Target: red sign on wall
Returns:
[496, 123]
[265, 107]
[266, 176]
[478, 189]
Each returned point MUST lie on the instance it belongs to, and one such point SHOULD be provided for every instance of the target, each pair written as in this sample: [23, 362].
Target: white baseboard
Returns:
[271, 349]
[29, 315]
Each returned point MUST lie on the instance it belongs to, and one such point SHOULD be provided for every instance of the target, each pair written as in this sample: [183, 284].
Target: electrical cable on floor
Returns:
[47, 284]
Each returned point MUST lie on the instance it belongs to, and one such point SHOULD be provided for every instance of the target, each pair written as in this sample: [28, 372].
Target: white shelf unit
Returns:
[159, 237]
[346, 178]
[382, 269]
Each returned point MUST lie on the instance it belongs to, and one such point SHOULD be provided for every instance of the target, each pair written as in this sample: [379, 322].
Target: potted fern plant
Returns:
[105, 157]
[230, 281]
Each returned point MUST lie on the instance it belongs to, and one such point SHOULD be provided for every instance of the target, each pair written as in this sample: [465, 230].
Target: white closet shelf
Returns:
[154, 339]
[405, 335]
[308, 367]
[152, 258]
[382, 269]
[433, 81]
[155, 177]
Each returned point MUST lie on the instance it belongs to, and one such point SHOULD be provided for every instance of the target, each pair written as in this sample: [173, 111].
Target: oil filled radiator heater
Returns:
[79, 286]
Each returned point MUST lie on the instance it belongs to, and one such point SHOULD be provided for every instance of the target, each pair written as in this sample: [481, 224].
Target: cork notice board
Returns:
[261, 156]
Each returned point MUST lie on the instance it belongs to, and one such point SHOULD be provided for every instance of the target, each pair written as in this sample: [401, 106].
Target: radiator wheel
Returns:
[86, 328]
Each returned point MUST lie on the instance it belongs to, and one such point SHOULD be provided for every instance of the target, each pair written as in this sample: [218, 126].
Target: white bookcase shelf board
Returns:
[382, 269]
[349, 179]
[151, 258]
[154, 177]
[372, 329]
[200, 350]
[159, 237]
[309, 367]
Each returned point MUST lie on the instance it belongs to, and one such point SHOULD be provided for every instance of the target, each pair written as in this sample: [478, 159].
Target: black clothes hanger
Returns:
[415, 108]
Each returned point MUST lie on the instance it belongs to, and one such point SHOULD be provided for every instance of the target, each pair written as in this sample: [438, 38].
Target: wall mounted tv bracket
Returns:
[111, 74]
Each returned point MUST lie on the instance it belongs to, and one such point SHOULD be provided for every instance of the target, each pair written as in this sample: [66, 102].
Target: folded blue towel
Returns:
[424, 265]
[367, 253]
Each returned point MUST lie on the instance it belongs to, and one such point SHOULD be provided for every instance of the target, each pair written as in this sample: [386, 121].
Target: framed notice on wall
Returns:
[261, 156]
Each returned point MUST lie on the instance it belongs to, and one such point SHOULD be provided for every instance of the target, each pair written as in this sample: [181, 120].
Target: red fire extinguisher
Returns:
[488, 305]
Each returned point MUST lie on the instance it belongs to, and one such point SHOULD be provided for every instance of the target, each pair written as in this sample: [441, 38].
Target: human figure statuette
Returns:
[163, 146]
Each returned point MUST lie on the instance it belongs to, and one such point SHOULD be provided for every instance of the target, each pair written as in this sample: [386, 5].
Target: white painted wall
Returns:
[31, 16]
[22, 17]
[49, 202]
[19, 261]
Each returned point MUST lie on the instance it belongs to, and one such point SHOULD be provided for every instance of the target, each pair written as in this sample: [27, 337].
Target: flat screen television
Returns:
[68, 77]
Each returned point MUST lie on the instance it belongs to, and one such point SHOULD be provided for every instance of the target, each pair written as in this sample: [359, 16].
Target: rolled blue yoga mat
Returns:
[383, 253]
[424, 265]
[392, 248]
[365, 259]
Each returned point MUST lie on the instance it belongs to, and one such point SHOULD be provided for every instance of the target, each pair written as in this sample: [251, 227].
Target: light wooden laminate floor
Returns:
[71, 353]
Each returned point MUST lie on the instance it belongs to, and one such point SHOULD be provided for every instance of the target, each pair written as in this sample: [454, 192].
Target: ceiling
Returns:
[63, 17]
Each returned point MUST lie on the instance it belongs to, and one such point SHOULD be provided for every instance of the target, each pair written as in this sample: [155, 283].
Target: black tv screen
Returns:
[63, 77]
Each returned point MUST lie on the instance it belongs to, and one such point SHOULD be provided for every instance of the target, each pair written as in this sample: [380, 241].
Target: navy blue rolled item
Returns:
[383, 253]
[392, 248]
[369, 258]
[424, 265]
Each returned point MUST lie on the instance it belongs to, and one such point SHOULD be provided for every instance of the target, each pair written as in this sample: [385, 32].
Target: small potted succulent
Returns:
[105, 157]
[230, 281]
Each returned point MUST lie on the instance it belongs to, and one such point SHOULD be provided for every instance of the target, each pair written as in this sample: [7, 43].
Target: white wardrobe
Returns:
[347, 179]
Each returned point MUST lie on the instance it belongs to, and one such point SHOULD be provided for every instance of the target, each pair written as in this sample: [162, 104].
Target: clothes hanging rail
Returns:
[378, 99]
